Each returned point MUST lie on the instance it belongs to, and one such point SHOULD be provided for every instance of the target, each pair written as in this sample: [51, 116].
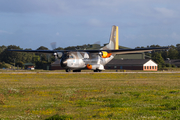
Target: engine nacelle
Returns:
[89, 66]
[95, 67]
[104, 54]
[58, 55]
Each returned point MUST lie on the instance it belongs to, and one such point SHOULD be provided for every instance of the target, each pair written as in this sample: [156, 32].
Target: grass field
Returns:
[90, 96]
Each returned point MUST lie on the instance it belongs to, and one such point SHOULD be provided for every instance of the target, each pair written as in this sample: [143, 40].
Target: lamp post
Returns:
[14, 62]
[169, 62]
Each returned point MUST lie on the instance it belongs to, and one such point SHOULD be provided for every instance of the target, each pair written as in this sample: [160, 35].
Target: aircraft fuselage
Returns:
[80, 60]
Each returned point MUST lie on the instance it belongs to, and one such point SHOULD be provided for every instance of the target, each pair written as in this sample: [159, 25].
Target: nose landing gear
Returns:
[68, 70]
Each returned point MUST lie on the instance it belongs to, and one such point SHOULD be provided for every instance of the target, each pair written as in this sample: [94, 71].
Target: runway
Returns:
[162, 72]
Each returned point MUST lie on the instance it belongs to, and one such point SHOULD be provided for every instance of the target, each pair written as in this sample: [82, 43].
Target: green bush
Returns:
[3, 65]
[173, 65]
[57, 117]
[168, 65]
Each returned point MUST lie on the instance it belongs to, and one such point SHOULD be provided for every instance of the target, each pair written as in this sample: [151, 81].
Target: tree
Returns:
[3, 65]
[35, 59]
[19, 63]
[2, 48]
[178, 49]
[43, 56]
[158, 59]
[173, 53]
[59, 48]
[42, 48]
[9, 56]
[27, 57]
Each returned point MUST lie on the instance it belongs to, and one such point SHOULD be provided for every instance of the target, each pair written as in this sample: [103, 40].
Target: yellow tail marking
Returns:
[117, 39]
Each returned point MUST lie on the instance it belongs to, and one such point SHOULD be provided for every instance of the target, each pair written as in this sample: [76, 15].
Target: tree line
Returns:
[40, 59]
[160, 55]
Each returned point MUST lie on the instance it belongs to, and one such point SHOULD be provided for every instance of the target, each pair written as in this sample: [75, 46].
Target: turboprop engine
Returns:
[104, 54]
[95, 67]
[58, 55]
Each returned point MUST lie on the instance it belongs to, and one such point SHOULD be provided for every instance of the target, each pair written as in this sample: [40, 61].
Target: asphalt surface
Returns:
[84, 72]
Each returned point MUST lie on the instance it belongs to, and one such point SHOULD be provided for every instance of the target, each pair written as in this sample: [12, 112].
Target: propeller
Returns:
[56, 54]
[53, 46]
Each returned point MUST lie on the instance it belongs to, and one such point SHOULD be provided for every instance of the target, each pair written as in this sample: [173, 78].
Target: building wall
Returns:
[131, 67]
[150, 68]
[56, 68]
[124, 67]
[150, 63]
[131, 56]
[29, 66]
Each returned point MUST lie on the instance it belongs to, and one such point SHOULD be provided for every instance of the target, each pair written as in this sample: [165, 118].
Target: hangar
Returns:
[132, 64]
[173, 62]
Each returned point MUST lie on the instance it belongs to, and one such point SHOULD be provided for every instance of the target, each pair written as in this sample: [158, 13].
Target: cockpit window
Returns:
[71, 56]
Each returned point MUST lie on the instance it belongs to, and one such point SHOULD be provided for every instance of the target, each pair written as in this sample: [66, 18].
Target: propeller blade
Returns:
[53, 45]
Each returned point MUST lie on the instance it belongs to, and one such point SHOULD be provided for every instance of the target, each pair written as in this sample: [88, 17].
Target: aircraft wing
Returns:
[34, 51]
[120, 51]
[129, 51]
[125, 51]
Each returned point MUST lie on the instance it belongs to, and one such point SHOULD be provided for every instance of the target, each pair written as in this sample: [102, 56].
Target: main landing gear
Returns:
[97, 70]
[68, 70]
[76, 70]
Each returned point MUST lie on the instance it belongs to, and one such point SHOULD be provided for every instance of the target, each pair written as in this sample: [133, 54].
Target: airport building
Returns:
[56, 65]
[29, 66]
[132, 64]
[173, 62]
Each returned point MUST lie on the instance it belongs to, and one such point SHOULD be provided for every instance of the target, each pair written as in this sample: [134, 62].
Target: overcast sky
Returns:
[35, 23]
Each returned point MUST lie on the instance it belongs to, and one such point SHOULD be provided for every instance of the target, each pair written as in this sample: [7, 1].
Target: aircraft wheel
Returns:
[76, 70]
[97, 70]
[68, 70]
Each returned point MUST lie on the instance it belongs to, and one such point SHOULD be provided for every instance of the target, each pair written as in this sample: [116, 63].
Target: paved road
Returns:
[84, 72]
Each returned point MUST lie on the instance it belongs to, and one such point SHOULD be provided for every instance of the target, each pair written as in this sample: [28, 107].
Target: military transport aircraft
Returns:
[77, 60]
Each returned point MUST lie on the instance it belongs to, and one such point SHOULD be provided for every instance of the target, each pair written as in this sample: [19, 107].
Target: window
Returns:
[155, 67]
[121, 67]
[150, 67]
[71, 56]
[144, 67]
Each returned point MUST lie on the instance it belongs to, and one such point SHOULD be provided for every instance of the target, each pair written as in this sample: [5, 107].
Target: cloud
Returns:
[166, 12]
[57, 33]
[138, 20]
[33, 6]
[175, 36]
[5, 32]
[91, 7]
[95, 22]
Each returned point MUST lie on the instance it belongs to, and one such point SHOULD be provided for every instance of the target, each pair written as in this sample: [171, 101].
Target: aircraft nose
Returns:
[63, 63]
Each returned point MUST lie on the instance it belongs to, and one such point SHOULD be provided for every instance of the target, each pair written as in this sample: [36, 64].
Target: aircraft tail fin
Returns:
[114, 40]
